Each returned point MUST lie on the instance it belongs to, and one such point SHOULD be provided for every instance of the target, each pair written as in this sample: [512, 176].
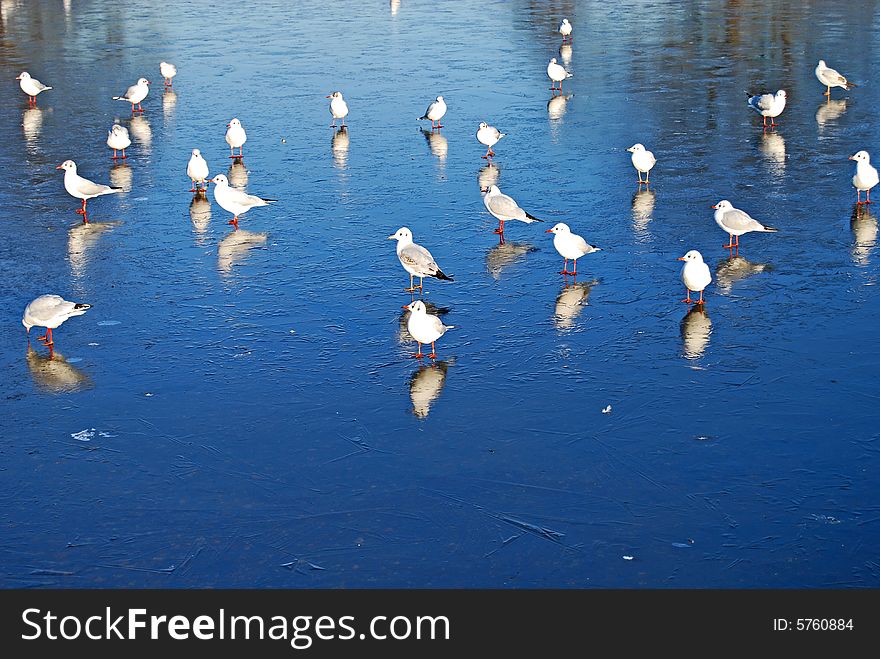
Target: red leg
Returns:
[500, 229]
[82, 211]
[433, 354]
[575, 271]
[564, 270]
[868, 195]
[700, 301]
[688, 298]
[419, 354]
[123, 155]
[730, 244]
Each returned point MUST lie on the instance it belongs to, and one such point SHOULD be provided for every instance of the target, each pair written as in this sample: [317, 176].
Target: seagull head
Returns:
[334, 95]
[143, 81]
[24, 75]
[861, 156]
[220, 179]
[68, 166]
[403, 233]
[559, 228]
[723, 205]
[416, 307]
[553, 60]
[233, 122]
[692, 256]
[439, 99]
[636, 147]
[483, 125]
[780, 93]
[490, 189]
[822, 63]
[565, 20]
[196, 153]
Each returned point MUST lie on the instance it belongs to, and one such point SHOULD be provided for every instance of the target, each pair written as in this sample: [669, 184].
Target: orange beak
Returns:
[405, 306]
[549, 231]
[715, 206]
[850, 158]
[681, 258]
[18, 77]
[60, 167]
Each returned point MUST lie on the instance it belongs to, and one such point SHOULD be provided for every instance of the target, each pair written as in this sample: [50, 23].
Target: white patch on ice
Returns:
[83, 435]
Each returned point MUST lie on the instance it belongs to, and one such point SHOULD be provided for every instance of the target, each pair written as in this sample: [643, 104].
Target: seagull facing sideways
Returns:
[50, 311]
[31, 87]
[504, 208]
[570, 246]
[135, 94]
[736, 222]
[768, 105]
[831, 78]
[435, 113]
[416, 260]
[866, 176]
[233, 200]
[82, 188]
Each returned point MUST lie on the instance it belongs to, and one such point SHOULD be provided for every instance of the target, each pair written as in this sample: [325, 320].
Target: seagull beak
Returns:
[484, 189]
[715, 206]
[406, 306]
[149, 83]
[681, 258]
[549, 231]
[60, 167]
[328, 97]
[851, 158]
[18, 77]
[392, 237]
[228, 125]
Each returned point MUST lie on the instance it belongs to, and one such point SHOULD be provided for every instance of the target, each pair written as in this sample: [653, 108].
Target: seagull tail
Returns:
[533, 218]
[422, 118]
[269, 201]
[119, 98]
[502, 135]
[47, 88]
[770, 229]
[441, 275]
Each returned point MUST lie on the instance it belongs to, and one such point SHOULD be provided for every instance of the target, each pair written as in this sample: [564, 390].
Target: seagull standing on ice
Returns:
[118, 140]
[135, 94]
[565, 30]
[235, 201]
[168, 72]
[866, 176]
[570, 246]
[416, 260]
[50, 311]
[338, 108]
[31, 87]
[831, 78]
[504, 208]
[197, 170]
[768, 105]
[424, 327]
[556, 73]
[235, 137]
[488, 135]
[435, 113]
[736, 222]
[82, 188]
[643, 160]
[695, 275]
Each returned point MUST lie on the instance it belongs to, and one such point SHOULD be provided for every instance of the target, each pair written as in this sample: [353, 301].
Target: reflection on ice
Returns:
[31, 125]
[736, 268]
[565, 53]
[81, 240]
[489, 175]
[235, 247]
[200, 213]
[425, 386]
[437, 143]
[696, 327]
[395, 5]
[140, 130]
[120, 176]
[504, 255]
[773, 148]
[830, 111]
[571, 302]
[556, 106]
[339, 145]
[52, 373]
[169, 101]
[237, 174]
[864, 229]
[642, 210]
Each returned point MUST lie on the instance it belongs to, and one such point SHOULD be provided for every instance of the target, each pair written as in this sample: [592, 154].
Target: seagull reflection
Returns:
[556, 106]
[642, 210]
[52, 373]
[830, 111]
[504, 255]
[489, 175]
[864, 229]
[437, 143]
[565, 53]
[736, 268]
[31, 125]
[120, 176]
[395, 5]
[425, 386]
[773, 148]
[237, 174]
[235, 247]
[696, 327]
[81, 239]
[571, 302]
[339, 145]
[200, 213]
[140, 130]
[169, 101]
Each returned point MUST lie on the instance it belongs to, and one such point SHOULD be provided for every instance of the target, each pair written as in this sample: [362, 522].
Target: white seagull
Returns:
[197, 170]
[416, 260]
[768, 105]
[50, 311]
[488, 135]
[30, 86]
[424, 328]
[235, 137]
[338, 108]
[168, 72]
[695, 275]
[736, 222]
[556, 73]
[82, 188]
[565, 30]
[118, 140]
[865, 178]
[831, 78]
[233, 200]
[643, 160]
[435, 113]
[135, 94]
[504, 208]
[570, 246]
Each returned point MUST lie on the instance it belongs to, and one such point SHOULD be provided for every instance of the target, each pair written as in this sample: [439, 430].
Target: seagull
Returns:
[118, 140]
[416, 260]
[736, 222]
[643, 160]
[831, 78]
[197, 170]
[135, 94]
[235, 201]
[435, 113]
[556, 73]
[168, 72]
[866, 176]
[489, 135]
[695, 275]
[338, 108]
[50, 311]
[424, 328]
[570, 246]
[504, 208]
[768, 105]
[31, 87]
[82, 188]
[565, 30]
[235, 137]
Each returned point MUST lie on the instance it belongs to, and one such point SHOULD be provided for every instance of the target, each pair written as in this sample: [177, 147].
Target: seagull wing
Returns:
[740, 221]
[418, 258]
[504, 206]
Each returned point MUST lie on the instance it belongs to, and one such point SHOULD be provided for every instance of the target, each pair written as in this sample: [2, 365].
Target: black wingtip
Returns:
[441, 275]
[533, 218]
[269, 201]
